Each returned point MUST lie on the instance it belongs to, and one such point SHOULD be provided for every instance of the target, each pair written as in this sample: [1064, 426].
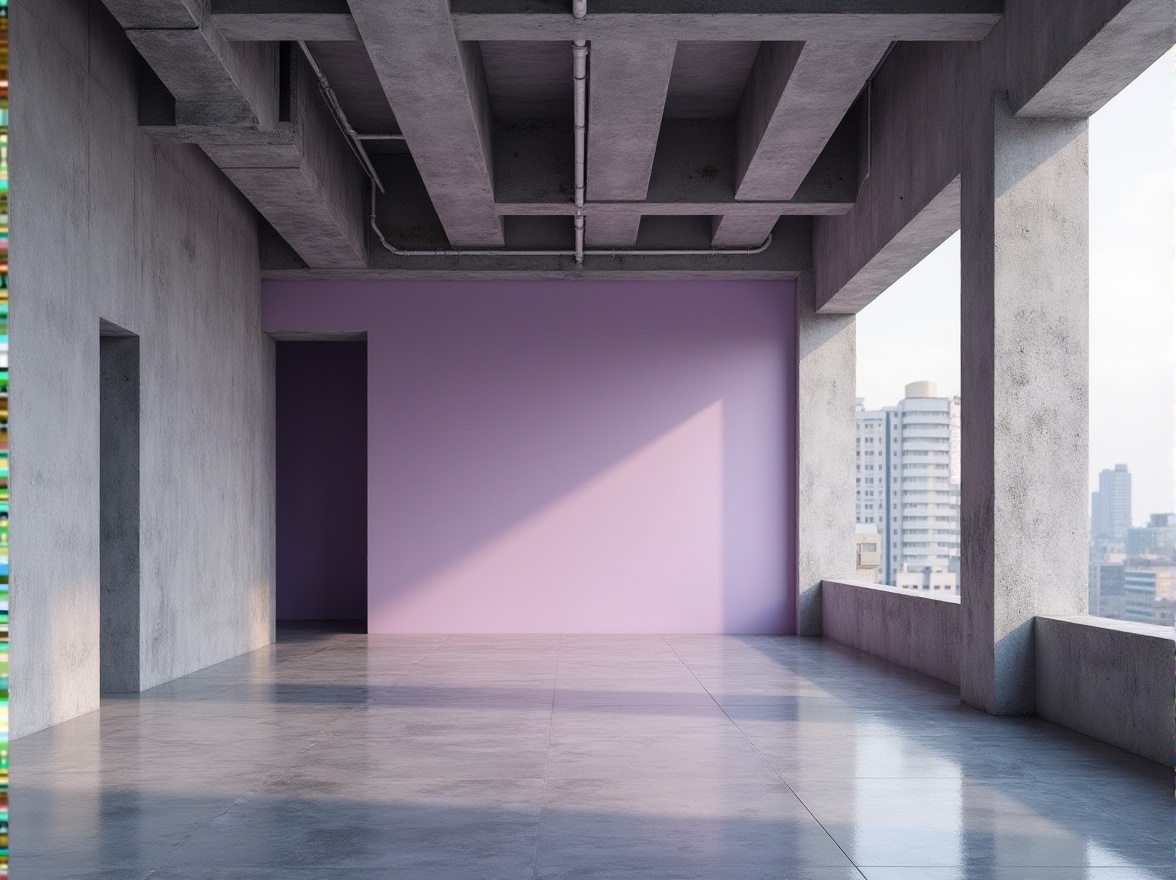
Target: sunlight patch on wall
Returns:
[639, 548]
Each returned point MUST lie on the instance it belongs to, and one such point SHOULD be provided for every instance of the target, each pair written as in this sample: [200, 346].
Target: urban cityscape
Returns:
[1132, 568]
[908, 514]
[908, 491]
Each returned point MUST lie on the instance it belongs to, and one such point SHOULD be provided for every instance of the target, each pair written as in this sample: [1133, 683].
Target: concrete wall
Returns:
[826, 452]
[322, 480]
[106, 225]
[916, 630]
[1109, 679]
[572, 457]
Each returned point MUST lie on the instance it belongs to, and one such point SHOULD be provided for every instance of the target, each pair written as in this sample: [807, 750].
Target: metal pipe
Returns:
[353, 138]
[580, 91]
[380, 137]
[580, 111]
[607, 252]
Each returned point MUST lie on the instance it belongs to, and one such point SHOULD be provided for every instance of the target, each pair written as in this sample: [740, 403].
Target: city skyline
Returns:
[912, 331]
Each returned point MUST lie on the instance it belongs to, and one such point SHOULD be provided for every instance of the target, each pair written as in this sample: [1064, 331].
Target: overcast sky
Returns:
[912, 331]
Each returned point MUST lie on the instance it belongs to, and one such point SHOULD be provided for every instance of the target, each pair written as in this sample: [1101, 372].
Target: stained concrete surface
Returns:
[1110, 679]
[154, 239]
[1024, 376]
[826, 467]
[684, 757]
[920, 631]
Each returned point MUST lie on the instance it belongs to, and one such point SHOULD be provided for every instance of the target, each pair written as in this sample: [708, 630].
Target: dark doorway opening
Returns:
[118, 516]
[321, 413]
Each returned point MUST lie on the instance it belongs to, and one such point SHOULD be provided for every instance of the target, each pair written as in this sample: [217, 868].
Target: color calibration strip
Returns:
[3, 439]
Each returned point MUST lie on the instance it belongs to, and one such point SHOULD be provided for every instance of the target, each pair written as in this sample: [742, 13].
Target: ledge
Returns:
[914, 629]
[1109, 679]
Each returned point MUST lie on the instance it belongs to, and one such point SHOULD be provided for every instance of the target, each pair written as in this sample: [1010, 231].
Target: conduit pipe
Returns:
[607, 252]
[580, 122]
[355, 141]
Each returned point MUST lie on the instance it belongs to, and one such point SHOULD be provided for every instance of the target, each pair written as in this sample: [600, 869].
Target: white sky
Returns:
[912, 331]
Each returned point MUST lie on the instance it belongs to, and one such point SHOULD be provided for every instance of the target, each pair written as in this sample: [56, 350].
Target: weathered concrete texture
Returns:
[612, 230]
[915, 100]
[213, 80]
[922, 234]
[741, 230]
[629, 80]
[265, 20]
[1071, 58]
[920, 631]
[1025, 374]
[796, 97]
[437, 89]
[1109, 679]
[311, 190]
[107, 224]
[119, 513]
[849, 20]
[825, 453]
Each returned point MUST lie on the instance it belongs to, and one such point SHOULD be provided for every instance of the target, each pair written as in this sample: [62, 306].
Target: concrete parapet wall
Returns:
[916, 630]
[1108, 679]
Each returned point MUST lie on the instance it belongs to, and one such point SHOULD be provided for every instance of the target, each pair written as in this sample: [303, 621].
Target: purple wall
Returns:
[572, 457]
[321, 480]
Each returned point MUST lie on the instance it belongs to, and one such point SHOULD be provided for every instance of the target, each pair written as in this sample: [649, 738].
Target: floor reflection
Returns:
[574, 757]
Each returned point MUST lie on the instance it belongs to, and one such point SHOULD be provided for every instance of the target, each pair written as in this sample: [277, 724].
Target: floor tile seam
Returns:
[414, 664]
[546, 762]
[252, 791]
[772, 769]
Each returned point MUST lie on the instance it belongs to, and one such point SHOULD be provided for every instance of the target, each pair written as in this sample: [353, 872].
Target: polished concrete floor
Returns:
[620, 757]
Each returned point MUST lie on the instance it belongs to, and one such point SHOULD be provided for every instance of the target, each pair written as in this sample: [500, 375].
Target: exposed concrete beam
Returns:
[437, 88]
[874, 21]
[272, 20]
[301, 176]
[692, 172]
[628, 94]
[926, 231]
[1071, 58]
[612, 230]
[904, 209]
[700, 208]
[741, 230]
[796, 96]
[316, 199]
[213, 81]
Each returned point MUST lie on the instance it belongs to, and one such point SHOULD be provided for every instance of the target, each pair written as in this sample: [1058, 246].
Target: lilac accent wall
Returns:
[572, 457]
[321, 467]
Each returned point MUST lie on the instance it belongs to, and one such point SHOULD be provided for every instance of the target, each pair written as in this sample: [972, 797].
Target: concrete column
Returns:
[826, 389]
[1024, 316]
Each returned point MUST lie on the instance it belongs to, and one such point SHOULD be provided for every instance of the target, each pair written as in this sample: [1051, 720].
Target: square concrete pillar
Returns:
[826, 463]
[1024, 350]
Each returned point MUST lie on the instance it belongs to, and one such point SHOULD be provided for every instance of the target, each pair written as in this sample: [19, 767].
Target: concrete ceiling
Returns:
[708, 122]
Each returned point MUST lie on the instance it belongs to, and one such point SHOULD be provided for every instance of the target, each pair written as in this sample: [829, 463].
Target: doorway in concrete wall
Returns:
[321, 420]
[118, 492]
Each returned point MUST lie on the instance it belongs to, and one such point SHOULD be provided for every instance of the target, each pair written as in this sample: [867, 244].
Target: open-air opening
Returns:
[1132, 359]
[907, 502]
[118, 482]
[322, 483]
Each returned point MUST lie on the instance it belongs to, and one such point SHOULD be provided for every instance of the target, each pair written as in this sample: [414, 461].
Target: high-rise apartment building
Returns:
[908, 482]
[1110, 507]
